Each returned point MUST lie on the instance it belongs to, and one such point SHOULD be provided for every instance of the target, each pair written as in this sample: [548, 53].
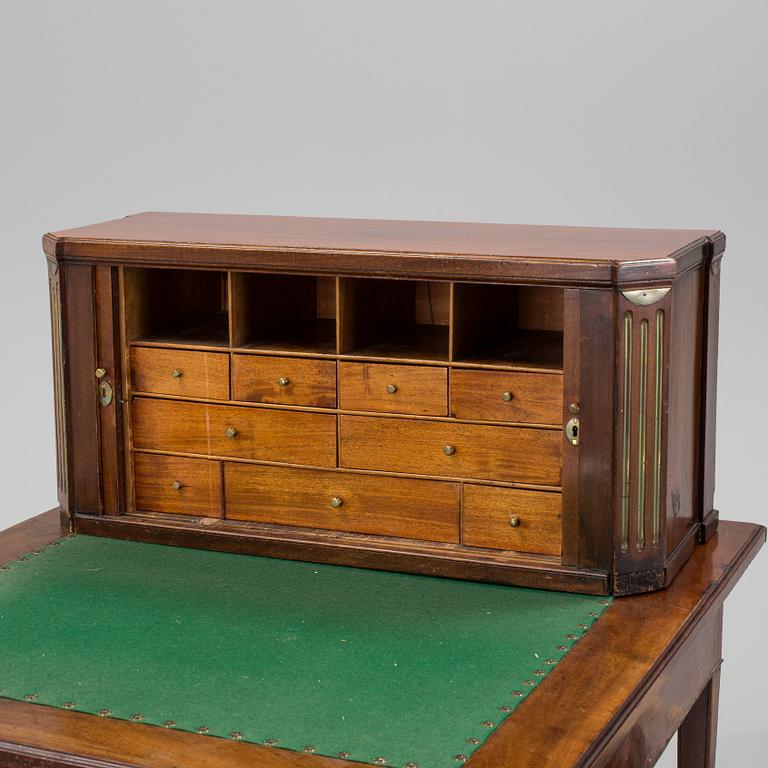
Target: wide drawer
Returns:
[420, 390]
[177, 485]
[508, 518]
[180, 372]
[284, 380]
[266, 434]
[535, 398]
[449, 449]
[343, 501]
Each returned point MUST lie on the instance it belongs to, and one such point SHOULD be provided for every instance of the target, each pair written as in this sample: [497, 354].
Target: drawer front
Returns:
[181, 373]
[535, 398]
[511, 454]
[421, 390]
[176, 485]
[508, 518]
[341, 501]
[265, 434]
[284, 380]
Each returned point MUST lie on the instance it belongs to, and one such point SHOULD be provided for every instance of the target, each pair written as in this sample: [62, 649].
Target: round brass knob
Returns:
[283, 381]
[177, 485]
[231, 432]
[176, 373]
[391, 388]
[514, 522]
[336, 502]
[449, 450]
[100, 373]
[506, 396]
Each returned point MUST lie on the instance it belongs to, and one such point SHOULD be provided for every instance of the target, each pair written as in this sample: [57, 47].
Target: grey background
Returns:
[585, 113]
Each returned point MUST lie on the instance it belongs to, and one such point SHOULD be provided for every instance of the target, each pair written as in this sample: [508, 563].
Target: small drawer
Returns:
[344, 501]
[534, 398]
[284, 380]
[180, 372]
[265, 434]
[450, 449]
[508, 518]
[421, 390]
[179, 486]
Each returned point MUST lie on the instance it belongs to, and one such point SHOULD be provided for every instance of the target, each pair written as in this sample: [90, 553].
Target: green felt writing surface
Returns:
[395, 667]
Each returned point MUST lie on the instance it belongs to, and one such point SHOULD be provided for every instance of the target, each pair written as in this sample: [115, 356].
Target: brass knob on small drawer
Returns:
[514, 522]
[283, 381]
[336, 502]
[391, 388]
[449, 450]
[177, 485]
[231, 432]
[506, 396]
[100, 373]
[176, 373]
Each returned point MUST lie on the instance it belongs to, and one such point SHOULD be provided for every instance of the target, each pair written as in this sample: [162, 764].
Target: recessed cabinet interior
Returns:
[515, 404]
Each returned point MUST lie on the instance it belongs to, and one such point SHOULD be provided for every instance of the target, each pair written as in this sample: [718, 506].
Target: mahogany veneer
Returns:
[529, 405]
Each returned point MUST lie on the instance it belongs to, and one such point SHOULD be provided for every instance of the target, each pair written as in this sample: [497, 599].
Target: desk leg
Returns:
[696, 739]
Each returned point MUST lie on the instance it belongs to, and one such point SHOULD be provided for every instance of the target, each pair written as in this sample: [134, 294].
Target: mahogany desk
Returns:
[649, 667]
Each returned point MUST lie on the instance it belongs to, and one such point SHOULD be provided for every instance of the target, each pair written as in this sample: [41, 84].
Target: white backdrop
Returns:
[583, 113]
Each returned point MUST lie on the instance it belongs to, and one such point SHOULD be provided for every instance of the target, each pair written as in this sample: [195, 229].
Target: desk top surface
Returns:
[624, 652]
[142, 237]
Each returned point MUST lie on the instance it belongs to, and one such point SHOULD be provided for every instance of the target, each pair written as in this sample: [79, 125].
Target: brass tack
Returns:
[505, 708]
[603, 602]
[582, 626]
[137, 718]
[31, 697]
[169, 724]
[539, 672]
[460, 758]
[310, 749]
[236, 735]
[562, 647]
[37, 551]
[380, 761]
[271, 742]
[4, 568]
[550, 661]
[202, 729]
[342, 755]
[473, 740]
[518, 694]
[571, 636]
[528, 683]
[22, 559]
[594, 613]
[488, 724]
[68, 705]
[105, 713]
[410, 765]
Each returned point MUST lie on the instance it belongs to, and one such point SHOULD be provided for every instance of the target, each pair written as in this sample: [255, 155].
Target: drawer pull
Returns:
[449, 450]
[514, 522]
[506, 396]
[231, 432]
[177, 485]
[336, 502]
[177, 373]
[391, 388]
[283, 381]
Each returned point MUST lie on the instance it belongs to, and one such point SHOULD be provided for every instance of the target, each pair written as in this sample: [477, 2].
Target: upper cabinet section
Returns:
[578, 256]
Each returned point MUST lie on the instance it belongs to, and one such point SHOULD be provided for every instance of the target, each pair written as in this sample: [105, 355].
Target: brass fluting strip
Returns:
[657, 407]
[626, 427]
[642, 404]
